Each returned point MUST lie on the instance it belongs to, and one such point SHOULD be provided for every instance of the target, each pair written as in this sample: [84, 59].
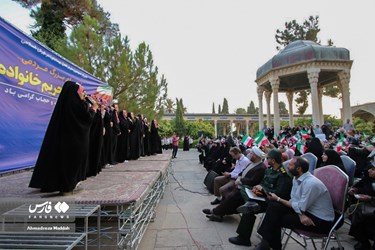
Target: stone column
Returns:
[320, 100]
[344, 77]
[230, 126]
[267, 94]
[289, 95]
[225, 128]
[260, 100]
[247, 127]
[275, 83]
[215, 123]
[313, 76]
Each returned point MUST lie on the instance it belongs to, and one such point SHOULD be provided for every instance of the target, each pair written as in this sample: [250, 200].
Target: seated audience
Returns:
[309, 208]
[225, 183]
[362, 226]
[275, 180]
[251, 176]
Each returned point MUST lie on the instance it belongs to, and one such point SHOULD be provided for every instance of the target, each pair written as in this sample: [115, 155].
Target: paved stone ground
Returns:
[180, 223]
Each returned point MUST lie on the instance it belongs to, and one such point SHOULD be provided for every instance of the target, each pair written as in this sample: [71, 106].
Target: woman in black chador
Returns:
[95, 145]
[64, 152]
[155, 140]
[123, 149]
[186, 143]
[135, 135]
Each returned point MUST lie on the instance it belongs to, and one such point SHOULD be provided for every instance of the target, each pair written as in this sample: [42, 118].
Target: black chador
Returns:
[140, 123]
[95, 146]
[106, 149]
[186, 143]
[146, 138]
[65, 146]
[135, 142]
[115, 133]
[123, 150]
[155, 140]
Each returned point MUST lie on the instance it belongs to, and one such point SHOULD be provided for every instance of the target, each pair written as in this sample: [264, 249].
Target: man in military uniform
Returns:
[276, 180]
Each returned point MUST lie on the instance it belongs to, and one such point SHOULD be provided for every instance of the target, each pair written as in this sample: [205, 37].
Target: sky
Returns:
[211, 49]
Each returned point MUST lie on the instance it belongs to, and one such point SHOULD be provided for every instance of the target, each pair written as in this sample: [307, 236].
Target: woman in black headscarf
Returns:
[123, 152]
[316, 148]
[331, 157]
[155, 140]
[96, 144]
[64, 153]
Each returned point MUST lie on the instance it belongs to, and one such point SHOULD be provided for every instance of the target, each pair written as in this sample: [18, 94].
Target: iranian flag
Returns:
[301, 147]
[247, 141]
[260, 139]
[283, 140]
[296, 138]
[341, 143]
[304, 134]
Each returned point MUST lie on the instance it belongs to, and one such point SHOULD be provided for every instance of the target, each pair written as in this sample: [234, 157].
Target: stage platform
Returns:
[126, 193]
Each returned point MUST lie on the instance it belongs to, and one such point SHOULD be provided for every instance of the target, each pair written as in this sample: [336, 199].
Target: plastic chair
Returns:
[336, 182]
[312, 159]
[350, 166]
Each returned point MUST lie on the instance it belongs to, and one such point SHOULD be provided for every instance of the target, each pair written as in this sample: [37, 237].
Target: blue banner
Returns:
[31, 78]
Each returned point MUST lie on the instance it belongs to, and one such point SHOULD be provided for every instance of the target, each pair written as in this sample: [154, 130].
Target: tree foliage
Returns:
[213, 108]
[303, 102]
[219, 110]
[293, 31]
[240, 111]
[308, 30]
[282, 108]
[363, 126]
[169, 106]
[193, 128]
[196, 128]
[251, 109]
[96, 45]
[179, 122]
[225, 109]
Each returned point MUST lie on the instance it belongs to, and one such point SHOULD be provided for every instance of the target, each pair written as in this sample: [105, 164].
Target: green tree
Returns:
[53, 16]
[334, 121]
[166, 128]
[179, 121]
[363, 126]
[294, 31]
[240, 111]
[169, 106]
[213, 108]
[225, 109]
[308, 30]
[251, 109]
[303, 102]
[195, 128]
[282, 108]
[303, 121]
[219, 110]
[146, 92]
[85, 47]
[183, 108]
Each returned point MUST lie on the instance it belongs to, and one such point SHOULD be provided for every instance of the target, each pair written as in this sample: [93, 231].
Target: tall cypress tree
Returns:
[179, 120]
[225, 109]
[213, 108]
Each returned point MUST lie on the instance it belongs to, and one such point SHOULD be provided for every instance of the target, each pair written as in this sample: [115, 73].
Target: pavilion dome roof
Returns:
[302, 51]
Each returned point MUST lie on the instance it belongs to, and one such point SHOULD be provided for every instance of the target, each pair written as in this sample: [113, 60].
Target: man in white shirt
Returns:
[225, 183]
